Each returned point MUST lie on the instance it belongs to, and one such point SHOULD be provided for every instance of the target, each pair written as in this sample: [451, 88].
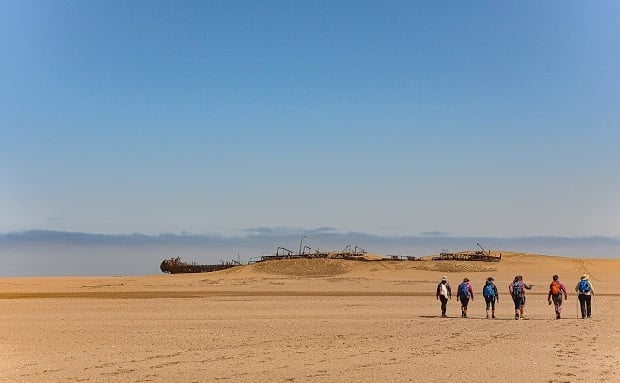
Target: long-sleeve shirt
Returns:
[562, 290]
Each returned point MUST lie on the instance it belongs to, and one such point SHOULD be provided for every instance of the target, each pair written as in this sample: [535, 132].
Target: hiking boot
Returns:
[493, 316]
[557, 316]
[517, 316]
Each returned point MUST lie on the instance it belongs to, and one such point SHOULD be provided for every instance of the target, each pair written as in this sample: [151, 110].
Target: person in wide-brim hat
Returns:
[586, 291]
[444, 292]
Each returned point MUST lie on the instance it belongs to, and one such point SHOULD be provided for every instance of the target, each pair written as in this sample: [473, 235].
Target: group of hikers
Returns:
[557, 294]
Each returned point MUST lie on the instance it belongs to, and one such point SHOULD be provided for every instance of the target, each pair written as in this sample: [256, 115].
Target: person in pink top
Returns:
[465, 293]
[517, 291]
[556, 291]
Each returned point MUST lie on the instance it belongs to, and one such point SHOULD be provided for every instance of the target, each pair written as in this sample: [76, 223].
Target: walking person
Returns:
[586, 291]
[491, 295]
[465, 293]
[556, 290]
[517, 292]
[444, 292]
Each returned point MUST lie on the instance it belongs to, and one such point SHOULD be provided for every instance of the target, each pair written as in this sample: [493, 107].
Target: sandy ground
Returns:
[308, 321]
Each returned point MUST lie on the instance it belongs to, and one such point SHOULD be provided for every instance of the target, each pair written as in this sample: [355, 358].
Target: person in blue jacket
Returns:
[491, 295]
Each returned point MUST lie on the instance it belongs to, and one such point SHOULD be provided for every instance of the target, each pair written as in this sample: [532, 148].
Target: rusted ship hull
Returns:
[176, 266]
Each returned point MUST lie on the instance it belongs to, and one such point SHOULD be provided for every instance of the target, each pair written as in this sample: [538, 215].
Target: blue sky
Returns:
[391, 118]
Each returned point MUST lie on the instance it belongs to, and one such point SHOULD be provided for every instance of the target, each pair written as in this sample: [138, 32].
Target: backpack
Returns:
[584, 286]
[516, 289]
[443, 289]
[555, 288]
[489, 290]
[464, 290]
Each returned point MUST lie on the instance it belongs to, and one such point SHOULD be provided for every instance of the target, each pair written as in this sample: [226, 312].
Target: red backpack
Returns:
[555, 288]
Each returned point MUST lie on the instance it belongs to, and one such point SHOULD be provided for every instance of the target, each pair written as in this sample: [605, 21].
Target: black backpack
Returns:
[517, 289]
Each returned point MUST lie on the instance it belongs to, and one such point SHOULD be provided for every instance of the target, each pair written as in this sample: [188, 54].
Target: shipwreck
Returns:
[176, 266]
[484, 254]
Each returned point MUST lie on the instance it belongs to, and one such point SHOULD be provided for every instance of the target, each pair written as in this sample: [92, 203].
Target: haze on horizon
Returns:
[389, 118]
[54, 253]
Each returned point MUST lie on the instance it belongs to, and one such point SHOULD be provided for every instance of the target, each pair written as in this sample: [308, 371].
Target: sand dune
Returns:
[308, 320]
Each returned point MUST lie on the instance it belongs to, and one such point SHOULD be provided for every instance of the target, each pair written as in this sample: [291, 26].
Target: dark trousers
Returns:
[585, 301]
[444, 304]
[490, 302]
[464, 302]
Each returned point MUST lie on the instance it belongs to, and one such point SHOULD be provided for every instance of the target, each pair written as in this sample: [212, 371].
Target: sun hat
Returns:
[585, 276]
[444, 278]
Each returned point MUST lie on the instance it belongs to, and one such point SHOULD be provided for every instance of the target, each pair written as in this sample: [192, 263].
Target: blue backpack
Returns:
[516, 289]
[489, 290]
[584, 286]
[463, 290]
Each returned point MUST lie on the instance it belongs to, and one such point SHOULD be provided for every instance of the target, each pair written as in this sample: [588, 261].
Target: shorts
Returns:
[519, 302]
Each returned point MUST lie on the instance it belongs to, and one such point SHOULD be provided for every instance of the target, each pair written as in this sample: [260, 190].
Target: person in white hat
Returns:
[444, 292]
[586, 291]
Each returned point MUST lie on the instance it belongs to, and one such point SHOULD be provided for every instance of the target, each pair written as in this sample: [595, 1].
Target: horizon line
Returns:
[285, 231]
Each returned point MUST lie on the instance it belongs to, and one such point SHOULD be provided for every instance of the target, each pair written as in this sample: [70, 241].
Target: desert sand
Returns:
[309, 320]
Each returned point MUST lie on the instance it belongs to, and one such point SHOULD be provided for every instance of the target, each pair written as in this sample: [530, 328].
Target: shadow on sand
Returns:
[512, 319]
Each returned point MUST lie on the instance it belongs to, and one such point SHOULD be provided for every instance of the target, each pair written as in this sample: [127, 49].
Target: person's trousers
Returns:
[585, 301]
[444, 304]
[557, 302]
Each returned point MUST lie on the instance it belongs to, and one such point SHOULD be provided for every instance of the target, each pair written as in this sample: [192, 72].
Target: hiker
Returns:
[465, 293]
[556, 290]
[517, 292]
[444, 292]
[586, 291]
[490, 294]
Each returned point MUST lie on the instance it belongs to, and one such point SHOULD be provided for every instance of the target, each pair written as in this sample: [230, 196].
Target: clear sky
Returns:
[386, 117]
